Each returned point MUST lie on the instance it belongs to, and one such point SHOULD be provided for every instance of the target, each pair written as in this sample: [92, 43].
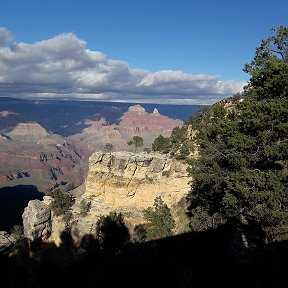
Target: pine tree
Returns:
[242, 168]
[161, 222]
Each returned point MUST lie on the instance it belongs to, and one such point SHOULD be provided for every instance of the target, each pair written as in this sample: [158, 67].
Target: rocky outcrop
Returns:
[137, 108]
[155, 111]
[36, 219]
[129, 182]
[133, 180]
[120, 181]
[7, 113]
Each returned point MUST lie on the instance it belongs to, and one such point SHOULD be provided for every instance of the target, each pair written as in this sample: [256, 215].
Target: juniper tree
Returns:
[160, 221]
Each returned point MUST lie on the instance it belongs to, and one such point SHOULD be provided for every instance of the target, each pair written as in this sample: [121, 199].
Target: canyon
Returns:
[118, 180]
[30, 154]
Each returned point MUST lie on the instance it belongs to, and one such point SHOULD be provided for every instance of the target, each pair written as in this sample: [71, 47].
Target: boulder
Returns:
[37, 220]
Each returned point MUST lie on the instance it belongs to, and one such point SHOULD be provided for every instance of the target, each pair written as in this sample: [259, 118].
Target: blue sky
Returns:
[164, 51]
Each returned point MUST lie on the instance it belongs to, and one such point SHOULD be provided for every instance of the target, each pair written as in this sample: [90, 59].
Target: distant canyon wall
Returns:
[29, 151]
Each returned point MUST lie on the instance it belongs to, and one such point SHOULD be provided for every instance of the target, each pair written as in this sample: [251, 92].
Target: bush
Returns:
[67, 217]
[70, 187]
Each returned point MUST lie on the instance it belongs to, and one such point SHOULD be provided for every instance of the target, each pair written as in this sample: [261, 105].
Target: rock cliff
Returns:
[6, 242]
[128, 183]
[121, 181]
[131, 181]
[47, 160]
[137, 120]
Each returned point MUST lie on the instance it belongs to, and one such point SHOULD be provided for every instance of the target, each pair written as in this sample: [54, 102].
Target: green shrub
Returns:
[137, 141]
[67, 217]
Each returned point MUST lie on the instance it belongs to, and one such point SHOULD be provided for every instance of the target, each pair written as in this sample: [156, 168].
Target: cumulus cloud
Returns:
[62, 67]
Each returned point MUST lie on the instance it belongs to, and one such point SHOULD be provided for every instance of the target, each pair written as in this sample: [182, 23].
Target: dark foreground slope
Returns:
[203, 259]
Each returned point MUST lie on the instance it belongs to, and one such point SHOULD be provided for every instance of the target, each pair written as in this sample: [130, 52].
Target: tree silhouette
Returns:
[112, 232]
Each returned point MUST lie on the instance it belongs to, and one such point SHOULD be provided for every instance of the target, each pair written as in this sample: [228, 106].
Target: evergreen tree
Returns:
[161, 144]
[269, 68]
[137, 141]
[242, 168]
[161, 222]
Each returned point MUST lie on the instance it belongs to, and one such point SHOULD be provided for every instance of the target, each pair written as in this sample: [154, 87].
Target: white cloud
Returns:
[62, 67]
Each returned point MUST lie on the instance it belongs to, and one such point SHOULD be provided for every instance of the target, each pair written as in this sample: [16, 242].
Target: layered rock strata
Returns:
[123, 182]
[132, 181]
[45, 163]
[28, 132]
[127, 183]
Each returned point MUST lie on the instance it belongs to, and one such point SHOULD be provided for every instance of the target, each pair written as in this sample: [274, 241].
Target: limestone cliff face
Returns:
[121, 181]
[132, 181]
[128, 183]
